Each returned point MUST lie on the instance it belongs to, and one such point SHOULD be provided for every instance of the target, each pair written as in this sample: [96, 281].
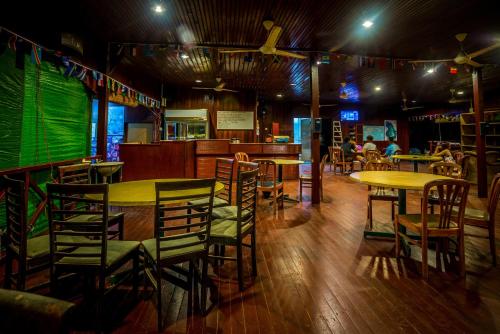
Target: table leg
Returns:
[415, 166]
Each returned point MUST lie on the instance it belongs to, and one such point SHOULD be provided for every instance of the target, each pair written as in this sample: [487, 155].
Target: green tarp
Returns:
[44, 117]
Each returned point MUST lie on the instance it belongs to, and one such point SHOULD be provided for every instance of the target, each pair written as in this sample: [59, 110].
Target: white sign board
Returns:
[186, 113]
[235, 120]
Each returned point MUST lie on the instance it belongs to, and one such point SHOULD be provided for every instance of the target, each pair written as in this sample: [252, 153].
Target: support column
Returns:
[102, 122]
[477, 85]
[315, 152]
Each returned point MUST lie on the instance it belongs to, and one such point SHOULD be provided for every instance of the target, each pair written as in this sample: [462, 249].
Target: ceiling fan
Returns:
[219, 87]
[404, 107]
[463, 57]
[269, 47]
[453, 99]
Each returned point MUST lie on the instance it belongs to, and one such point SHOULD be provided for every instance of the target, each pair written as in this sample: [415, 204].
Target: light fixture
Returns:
[198, 81]
[378, 88]
[460, 92]
[293, 84]
[268, 22]
[431, 70]
[413, 101]
[158, 8]
[184, 56]
[279, 95]
[368, 24]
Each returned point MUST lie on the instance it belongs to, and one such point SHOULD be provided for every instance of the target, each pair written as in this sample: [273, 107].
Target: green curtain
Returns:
[44, 117]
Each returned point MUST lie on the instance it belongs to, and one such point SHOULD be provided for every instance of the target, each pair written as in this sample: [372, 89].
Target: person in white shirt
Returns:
[369, 145]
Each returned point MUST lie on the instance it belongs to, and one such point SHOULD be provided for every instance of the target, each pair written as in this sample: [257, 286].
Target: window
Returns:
[116, 121]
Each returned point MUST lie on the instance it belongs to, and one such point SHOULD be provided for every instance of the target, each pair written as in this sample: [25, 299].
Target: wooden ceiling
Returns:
[403, 29]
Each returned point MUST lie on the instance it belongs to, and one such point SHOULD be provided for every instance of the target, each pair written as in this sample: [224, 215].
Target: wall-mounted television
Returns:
[349, 115]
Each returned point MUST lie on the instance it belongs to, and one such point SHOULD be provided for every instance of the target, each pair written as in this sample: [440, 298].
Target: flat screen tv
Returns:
[349, 115]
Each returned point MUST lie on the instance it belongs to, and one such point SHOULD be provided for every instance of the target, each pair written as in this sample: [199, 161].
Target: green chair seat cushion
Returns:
[432, 220]
[150, 247]
[228, 212]
[475, 214]
[204, 201]
[89, 218]
[116, 250]
[39, 246]
[224, 228]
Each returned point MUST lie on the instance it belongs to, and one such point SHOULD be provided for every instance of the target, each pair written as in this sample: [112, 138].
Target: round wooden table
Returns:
[397, 180]
[416, 159]
[143, 193]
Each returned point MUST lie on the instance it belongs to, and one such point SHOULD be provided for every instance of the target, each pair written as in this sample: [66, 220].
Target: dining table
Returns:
[107, 168]
[416, 158]
[402, 181]
[286, 162]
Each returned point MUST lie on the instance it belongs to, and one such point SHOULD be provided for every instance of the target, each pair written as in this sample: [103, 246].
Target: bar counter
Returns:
[196, 158]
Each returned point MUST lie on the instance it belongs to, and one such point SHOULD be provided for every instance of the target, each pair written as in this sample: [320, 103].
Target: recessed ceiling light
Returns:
[460, 92]
[279, 96]
[368, 24]
[378, 88]
[292, 84]
[159, 8]
[318, 62]
[413, 101]
[198, 81]
[184, 56]
[431, 70]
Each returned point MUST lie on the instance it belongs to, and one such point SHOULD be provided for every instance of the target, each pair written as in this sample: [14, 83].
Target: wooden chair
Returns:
[30, 254]
[372, 155]
[181, 235]
[449, 169]
[396, 163]
[82, 246]
[465, 164]
[380, 193]
[231, 232]
[452, 197]
[268, 181]
[305, 180]
[80, 174]
[331, 157]
[486, 218]
[223, 174]
[340, 161]
[241, 156]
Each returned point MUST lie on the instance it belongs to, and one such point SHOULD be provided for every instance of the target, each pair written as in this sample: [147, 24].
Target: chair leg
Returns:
[300, 190]
[135, 274]
[254, 254]
[222, 253]
[239, 262]
[21, 276]
[392, 210]
[275, 201]
[120, 228]
[158, 301]
[397, 238]
[204, 282]
[8, 269]
[491, 233]
[461, 253]
[190, 288]
[100, 303]
[370, 213]
[425, 266]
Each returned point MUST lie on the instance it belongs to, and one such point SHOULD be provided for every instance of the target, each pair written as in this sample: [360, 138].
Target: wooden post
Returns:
[102, 122]
[477, 84]
[315, 152]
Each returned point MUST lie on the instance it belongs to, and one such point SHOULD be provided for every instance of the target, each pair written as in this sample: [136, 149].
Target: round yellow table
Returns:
[107, 168]
[286, 162]
[397, 180]
[143, 193]
[416, 159]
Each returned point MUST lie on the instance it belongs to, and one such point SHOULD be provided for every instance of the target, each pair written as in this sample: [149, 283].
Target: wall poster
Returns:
[391, 129]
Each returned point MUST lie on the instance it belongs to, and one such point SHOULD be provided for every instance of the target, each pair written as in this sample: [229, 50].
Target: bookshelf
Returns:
[491, 129]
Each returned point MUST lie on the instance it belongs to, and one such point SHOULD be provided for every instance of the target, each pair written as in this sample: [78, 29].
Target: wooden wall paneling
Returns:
[212, 147]
[482, 182]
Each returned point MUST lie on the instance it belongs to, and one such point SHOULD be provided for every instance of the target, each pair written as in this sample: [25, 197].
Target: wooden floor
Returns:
[317, 274]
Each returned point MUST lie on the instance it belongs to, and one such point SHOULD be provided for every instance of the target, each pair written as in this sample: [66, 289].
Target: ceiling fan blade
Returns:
[273, 37]
[201, 88]
[239, 51]
[289, 54]
[221, 85]
[429, 61]
[328, 105]
[410, 108]
[229, 90]
[484, 50]
[473, 63]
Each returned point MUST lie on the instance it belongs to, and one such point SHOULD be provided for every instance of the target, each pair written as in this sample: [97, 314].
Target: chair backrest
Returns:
[378, 165]
[449, 169]
[75, 174]
[224, 174]
[246, 198]
[330, 153]
[177, 220]
[457, 156]
[338, 154]
[246, 166]
[268, 172]
[494, 196]
[464, 163]
[87, 230]
[451, 196]
[372, 155]
[16, 216]
[241, 156]
[322, 165]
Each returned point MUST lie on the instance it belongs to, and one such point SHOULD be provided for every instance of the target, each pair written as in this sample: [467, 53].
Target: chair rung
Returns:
[194, 215]
[189, 244]
[78, 254]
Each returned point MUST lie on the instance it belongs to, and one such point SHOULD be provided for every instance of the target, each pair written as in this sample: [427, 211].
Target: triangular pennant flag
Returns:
[36, 54]
[12, 42]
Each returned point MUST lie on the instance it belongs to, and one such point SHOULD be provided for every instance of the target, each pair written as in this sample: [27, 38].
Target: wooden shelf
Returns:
[471, 135]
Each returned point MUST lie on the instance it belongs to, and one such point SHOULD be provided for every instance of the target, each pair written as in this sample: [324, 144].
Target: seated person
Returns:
[443, 150]
[369, 145]
[391, 148]
[348, 148]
